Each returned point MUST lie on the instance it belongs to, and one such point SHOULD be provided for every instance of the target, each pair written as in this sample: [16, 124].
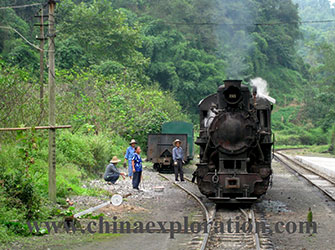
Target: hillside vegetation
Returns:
[125, 67]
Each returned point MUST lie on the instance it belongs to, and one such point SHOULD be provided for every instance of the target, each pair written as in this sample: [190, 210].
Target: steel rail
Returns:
[254, 229]
[279, 156]
[251, 216]
[209, 220]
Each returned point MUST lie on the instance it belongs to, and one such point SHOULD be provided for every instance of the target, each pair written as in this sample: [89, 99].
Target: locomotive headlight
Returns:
[232, 95]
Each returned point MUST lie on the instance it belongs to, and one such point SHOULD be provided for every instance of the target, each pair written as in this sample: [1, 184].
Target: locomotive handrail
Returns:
[273, 147]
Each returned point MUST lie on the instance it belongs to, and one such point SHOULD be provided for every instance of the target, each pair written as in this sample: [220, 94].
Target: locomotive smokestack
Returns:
[230, 93]
[254, 94]
[254, 91]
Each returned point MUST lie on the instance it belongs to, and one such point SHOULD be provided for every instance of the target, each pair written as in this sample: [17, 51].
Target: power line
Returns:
[252, 24]
[297, 22]
[19, 6]
[11, 28]
[319, 21]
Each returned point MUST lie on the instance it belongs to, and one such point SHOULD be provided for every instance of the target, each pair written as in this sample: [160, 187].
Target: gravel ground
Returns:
[170, 205]
[289, 200]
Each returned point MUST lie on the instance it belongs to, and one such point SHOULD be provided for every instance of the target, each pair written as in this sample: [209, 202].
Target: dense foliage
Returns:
[187, 47]
[317, 48]
[125, 67]
[24, 174]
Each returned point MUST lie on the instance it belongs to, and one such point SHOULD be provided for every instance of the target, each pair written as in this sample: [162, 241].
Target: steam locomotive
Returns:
[236, 144]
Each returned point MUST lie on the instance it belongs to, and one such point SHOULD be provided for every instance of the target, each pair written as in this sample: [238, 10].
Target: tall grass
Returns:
[24, 173]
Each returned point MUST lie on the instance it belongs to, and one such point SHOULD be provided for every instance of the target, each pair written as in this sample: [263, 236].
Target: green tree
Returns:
[320, 97]
[98, 31]
[179, 67]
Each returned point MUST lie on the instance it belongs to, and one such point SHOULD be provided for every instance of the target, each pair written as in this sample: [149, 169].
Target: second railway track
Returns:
[316, 178]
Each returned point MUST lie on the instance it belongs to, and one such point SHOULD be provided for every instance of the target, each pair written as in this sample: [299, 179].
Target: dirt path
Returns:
[289, 200]
[170, 205]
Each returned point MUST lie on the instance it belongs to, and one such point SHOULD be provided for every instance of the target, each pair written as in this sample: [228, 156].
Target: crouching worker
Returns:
[112, 174]
[137, 168]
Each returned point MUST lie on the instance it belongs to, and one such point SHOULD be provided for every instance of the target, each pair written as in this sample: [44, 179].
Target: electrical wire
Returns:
[11, 28]
[19, 6]
[202, 23]
[253, 24]
[25, 39]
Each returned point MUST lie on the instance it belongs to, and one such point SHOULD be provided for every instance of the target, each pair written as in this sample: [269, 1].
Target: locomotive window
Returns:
[229, 164]
[238, 164]
[265, 116]
[232, 182]
[203, 118]
[258, 115]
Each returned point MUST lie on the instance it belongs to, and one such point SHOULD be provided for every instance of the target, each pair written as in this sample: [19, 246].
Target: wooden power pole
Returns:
[52, 96]
[52, 103]
[42, 62]
[41, 38]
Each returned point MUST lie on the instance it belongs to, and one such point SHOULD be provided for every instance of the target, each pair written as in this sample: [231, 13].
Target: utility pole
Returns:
[42, 62]
[52, 103]
[41, 39]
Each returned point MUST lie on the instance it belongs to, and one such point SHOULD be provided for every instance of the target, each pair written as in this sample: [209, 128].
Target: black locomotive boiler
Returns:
[235, 144]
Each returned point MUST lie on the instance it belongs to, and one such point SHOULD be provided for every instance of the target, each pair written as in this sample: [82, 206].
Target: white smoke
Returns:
[233, 35]
[262, 89]
[261, 85]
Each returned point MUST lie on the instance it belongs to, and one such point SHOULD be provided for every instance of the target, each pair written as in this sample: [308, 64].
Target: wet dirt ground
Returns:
[170, 205]
[288, 200]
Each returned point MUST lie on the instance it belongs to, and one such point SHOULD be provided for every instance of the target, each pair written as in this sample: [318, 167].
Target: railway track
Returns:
[316, 178]
[215, 217]
[243, 236]
[208, 214]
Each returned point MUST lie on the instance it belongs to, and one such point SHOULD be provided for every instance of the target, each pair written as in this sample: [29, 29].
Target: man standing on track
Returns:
[129, 157]
[178, 156]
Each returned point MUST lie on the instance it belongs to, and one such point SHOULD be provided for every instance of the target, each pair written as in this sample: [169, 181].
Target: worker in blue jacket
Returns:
[137, 168]
[129, 157]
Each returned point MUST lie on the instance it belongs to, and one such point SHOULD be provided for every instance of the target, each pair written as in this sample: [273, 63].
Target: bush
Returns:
[24, 175]
[296, 135]
[89, 152]
[20, 199]
[291, 129]
[87, 100]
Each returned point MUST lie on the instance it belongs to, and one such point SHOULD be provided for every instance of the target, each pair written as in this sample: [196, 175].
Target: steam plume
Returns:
[262, 89]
